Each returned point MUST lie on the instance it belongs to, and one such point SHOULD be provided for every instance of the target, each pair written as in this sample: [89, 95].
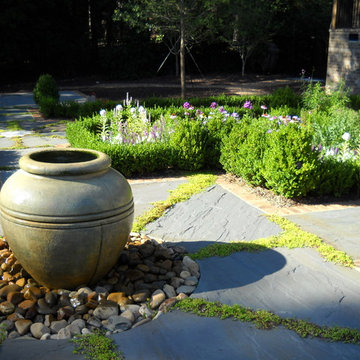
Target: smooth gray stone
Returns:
[340, 228]
[178, 336]
[32, 141]
[215, 215]
[6, 142]
[18, 99]
[146, 193]
[33, 349]
[288, 282]
[11, 114]
[25, 99]
[52, 133]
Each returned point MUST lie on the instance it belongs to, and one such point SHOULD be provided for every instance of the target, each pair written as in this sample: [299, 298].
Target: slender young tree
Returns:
[188, 21]
[245, 24]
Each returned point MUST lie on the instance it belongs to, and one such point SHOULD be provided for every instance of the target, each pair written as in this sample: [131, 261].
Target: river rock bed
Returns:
[148, 279]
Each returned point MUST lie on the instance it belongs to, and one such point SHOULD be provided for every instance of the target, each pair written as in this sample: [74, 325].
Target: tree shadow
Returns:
[237, 269]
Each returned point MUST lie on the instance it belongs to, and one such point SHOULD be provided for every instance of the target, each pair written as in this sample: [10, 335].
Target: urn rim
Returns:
[69, 161]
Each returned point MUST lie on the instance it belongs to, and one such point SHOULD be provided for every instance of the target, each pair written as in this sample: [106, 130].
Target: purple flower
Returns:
[336, 151]
[269, 131]
[319, 147]
[221, 109]
[248, 105]
[213, 105]
[186, 105]
[235, 115]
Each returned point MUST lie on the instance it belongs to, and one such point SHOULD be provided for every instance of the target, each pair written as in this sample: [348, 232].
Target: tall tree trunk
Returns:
[182, 50]
[177, 72]
[243, 62]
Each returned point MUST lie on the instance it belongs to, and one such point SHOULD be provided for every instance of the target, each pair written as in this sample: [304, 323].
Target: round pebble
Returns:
[147, 281]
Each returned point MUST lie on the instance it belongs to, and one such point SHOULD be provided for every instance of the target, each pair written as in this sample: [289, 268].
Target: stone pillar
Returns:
[344, 59]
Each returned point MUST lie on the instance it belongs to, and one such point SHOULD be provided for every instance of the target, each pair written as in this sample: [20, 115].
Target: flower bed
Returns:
[313, 152]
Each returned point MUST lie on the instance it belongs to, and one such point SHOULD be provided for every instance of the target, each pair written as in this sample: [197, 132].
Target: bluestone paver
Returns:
[6, 142]
[290, 282]
[148, 192]
[214, 215]
[33, 141]
[340, 228]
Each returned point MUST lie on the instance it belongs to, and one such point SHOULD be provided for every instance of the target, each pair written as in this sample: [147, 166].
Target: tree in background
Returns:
[244, 25]
[303, 36]
[181, 22]
[112, 38]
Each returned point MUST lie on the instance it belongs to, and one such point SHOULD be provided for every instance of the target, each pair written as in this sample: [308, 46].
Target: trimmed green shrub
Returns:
[45, 87]
[128, 159]
[217, 130]
[337, 178]
[189, 144]
[289, 163]
[224, 100]
[284, 97]
[243, 150]
[354, 101]
[48, 106]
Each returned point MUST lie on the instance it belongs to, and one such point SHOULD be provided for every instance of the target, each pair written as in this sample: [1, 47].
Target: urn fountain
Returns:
[66, 215]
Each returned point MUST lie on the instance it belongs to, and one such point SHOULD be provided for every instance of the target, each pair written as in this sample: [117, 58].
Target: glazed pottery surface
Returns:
[66, 215]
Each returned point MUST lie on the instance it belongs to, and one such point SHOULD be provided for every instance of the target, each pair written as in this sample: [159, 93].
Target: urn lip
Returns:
[69, 161]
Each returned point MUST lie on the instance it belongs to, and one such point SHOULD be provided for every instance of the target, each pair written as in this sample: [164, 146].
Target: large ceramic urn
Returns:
[66, 215]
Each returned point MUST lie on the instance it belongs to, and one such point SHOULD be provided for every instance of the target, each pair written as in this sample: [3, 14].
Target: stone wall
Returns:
[344, 59]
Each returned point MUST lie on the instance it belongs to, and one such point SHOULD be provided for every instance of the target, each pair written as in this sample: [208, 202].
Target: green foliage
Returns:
[96, 346]
[289, 164]
[128, 159]
[224, 100]
[329, 127]
[271, 152]
[315, 98]
[338, 178]
[48, 106]
[13, 125]
[217, 130]
[243, 150]
[284, 97]
[354, 101]
[195, 184]
[45, 87]
[264, 319]
[189, 144]
[3, 333]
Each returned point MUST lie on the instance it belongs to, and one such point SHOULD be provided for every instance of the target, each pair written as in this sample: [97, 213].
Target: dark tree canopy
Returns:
[73, 38]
